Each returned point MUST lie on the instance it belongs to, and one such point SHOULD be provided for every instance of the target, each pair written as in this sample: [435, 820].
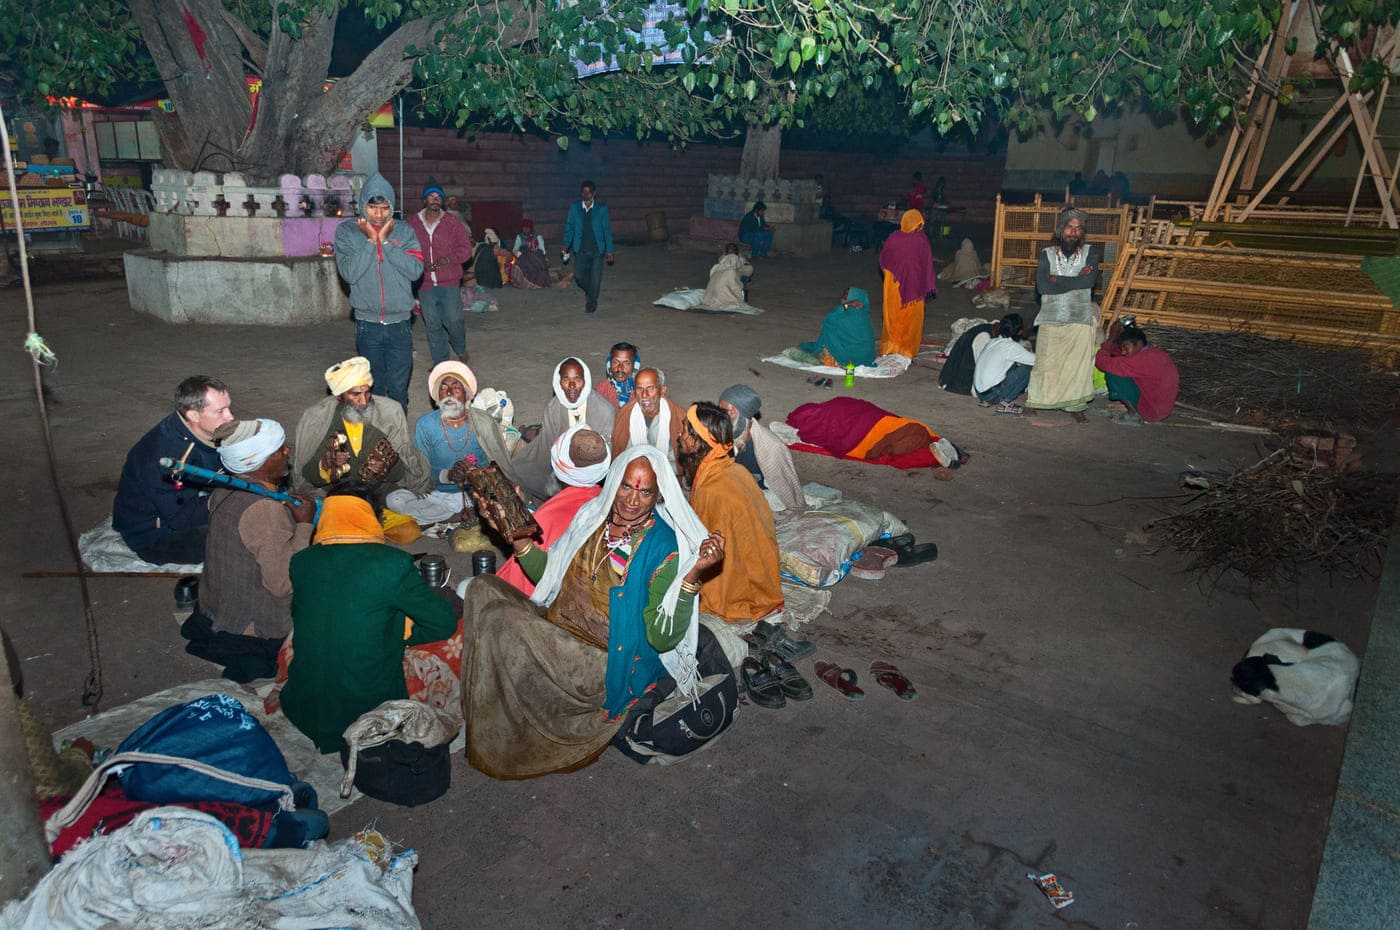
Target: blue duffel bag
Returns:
[216, 731]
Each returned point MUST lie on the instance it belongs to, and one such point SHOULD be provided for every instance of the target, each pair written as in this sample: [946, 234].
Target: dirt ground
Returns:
[1074, 712]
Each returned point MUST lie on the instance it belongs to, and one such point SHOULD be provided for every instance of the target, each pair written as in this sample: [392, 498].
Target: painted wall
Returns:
[1169, 158]
[636, 179]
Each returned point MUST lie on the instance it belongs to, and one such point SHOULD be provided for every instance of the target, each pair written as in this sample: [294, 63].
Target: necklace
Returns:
[466, 440]
[607, 545]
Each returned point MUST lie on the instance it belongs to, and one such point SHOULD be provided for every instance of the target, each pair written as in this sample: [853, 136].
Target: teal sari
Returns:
[846, 332]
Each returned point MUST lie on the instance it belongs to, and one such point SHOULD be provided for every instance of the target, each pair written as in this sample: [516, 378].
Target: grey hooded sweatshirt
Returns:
[380, 277]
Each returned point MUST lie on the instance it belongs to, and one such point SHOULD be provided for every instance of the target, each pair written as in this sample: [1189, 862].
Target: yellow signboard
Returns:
[46, 209]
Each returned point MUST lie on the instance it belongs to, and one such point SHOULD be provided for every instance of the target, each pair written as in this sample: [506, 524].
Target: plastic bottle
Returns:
[850, 374]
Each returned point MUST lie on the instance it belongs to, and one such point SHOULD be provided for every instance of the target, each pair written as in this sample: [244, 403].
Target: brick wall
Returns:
[635, 179]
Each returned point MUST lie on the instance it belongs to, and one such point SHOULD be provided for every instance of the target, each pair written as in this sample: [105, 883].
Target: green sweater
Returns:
[533, 564]
[348, 607]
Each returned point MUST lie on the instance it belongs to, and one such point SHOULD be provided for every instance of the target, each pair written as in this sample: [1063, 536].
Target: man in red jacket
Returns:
[446, 247]
[1142, 377]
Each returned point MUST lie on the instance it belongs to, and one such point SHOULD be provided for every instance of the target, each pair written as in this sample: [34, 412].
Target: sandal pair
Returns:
[773, 681]
[886, 676]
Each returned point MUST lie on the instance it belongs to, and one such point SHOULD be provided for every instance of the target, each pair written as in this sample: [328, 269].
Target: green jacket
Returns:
[348, 607]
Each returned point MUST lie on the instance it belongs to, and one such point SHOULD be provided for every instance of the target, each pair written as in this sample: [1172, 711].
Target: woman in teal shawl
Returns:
[846, 337]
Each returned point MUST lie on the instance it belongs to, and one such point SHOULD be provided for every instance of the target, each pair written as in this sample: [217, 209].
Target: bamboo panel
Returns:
[1304, 216]
[1314, 298]
[1022, 232]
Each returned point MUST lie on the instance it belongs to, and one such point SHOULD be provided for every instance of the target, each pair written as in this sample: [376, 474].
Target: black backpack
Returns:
[665, 727]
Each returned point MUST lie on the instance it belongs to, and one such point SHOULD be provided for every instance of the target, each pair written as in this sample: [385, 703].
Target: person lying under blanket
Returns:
[850, 428]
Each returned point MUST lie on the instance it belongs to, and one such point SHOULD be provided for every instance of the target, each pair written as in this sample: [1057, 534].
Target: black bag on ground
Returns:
[665, 727]
[402, 773]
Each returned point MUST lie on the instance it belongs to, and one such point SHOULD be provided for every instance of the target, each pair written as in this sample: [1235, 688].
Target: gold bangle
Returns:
[526, 550]
[690, 587]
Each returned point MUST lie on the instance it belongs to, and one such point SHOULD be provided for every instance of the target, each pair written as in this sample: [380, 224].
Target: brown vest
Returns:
[232, 594]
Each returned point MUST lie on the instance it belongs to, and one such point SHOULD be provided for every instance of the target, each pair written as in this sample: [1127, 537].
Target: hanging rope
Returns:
[40, 355]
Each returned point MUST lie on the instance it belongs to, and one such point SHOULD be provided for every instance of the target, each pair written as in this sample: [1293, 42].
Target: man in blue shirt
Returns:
[588, 235]
[454, 437]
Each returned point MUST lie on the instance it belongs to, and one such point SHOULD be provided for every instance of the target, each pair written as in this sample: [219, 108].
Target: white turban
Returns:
[585, 476]
[587, 384]
[351, 373]
[251, 443]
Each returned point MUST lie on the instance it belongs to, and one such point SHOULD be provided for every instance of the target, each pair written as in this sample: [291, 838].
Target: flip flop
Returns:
[887, 676]
[916, 554]
[789, 678]
[902, 541]
[842, 679]
[762, 686]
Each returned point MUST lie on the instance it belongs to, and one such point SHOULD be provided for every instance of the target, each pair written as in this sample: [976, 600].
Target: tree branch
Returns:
[257, 48]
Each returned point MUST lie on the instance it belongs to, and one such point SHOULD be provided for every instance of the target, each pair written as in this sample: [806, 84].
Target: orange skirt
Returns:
[904, 322]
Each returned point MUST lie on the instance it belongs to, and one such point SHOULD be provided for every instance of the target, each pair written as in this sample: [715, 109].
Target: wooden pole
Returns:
[1293, 157]
[24, 854]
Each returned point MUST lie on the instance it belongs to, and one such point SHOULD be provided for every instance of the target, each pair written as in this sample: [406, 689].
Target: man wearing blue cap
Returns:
[446, 247]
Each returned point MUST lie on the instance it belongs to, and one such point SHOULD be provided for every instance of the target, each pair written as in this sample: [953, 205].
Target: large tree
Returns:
[743, 63]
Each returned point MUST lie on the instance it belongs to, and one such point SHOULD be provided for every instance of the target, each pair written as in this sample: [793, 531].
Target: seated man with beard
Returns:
[573, 404]
[340, 437]
[745, 587]
[454, 437]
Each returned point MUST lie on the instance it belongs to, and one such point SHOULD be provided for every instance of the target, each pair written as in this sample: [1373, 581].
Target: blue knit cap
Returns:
[434, 189]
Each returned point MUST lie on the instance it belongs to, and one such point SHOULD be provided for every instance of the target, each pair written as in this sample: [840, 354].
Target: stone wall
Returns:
[635, 179]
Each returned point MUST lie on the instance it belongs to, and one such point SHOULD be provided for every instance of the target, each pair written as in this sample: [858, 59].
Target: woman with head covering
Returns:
[547, 681]
[1063, 376]
[530, 269]
[579, 460]
[847, 338]
[907, 261]
[573, 403]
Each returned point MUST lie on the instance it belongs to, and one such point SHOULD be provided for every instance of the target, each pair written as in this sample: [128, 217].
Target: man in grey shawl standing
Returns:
[1063, 377]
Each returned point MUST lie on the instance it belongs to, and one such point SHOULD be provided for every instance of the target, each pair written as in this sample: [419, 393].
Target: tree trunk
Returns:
[761, 147]
[204, 55]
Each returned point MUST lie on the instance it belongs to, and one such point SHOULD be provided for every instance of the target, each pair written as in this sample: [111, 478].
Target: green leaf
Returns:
[1164, 18]
[688, 81]
[809, 48]
[750, 89]
[563, 143]
[1090, 113]
[794, 60]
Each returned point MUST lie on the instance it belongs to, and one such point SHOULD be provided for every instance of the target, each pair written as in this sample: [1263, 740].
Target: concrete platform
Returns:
[243, 291]
[1358, 885]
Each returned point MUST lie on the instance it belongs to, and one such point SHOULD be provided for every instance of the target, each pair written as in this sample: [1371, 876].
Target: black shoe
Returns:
[590, 309]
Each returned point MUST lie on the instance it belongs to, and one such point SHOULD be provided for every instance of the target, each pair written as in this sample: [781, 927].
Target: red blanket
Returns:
[112, 809]
[838, 426]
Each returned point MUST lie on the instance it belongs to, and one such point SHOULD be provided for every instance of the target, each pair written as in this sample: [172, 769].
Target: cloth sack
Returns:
[172, 869]
[398, 753]
[816, 548]
[665, 727]
[217, 731]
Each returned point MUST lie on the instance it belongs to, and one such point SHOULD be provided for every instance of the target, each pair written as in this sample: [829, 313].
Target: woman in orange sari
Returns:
[907, 261]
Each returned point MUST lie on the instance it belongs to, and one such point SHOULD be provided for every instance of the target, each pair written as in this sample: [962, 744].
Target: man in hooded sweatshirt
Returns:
[380, 260]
